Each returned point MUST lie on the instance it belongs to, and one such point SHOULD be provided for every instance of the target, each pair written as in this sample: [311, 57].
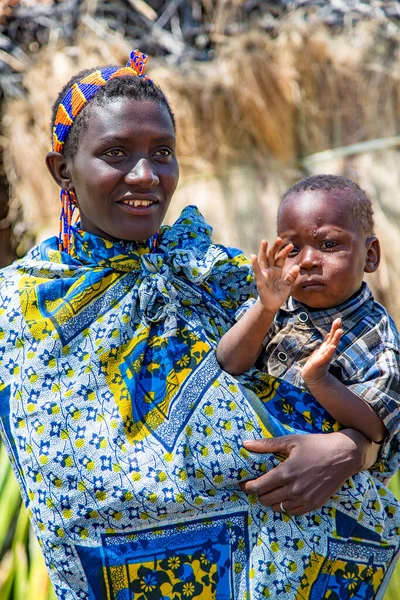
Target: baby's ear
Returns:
[373, 257]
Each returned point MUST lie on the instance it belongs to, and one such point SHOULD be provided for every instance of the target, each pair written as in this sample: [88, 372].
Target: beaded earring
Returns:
[68, 206]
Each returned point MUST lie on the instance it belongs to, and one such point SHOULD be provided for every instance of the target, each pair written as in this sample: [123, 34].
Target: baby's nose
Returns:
[310, 259]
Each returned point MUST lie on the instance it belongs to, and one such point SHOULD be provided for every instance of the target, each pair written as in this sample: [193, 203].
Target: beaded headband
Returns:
[69, 108]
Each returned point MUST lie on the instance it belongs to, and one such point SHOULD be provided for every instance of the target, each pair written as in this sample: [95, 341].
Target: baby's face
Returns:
[328, 247]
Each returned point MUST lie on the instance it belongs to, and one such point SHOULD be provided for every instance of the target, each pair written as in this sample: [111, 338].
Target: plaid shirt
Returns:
[367, 360]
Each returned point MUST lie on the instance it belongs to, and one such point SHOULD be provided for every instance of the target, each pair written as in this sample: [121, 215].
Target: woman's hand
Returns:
[273, 287]
[316, 466]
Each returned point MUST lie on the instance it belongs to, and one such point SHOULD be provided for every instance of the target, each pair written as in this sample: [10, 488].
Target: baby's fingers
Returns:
[283, 254]
[262, 255]
[292, 274]
[273, 252]
[255, 265]
[335, 327]
[328, 349]
[258, 274]
[336, 338]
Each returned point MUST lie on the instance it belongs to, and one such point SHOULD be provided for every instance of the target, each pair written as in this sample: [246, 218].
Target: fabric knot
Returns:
[158, 298]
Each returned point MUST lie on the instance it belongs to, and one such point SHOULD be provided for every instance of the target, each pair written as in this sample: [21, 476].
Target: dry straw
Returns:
[244, 123]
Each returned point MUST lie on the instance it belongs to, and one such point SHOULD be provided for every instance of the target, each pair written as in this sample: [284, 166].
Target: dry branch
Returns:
[180, 29]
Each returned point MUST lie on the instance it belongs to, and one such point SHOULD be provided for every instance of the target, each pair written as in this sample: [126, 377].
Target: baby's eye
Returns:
[294, 251]
[328, 245]
[114, 152]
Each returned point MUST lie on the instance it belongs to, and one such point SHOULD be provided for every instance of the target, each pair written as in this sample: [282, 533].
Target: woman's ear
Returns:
[373, 257]
[58, 168]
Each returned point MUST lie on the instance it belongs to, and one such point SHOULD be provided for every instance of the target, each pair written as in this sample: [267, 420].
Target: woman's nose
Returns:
[142, 174]
[310, 259]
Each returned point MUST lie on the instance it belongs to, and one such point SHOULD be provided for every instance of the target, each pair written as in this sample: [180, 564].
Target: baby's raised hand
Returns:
[273, 289]
[318, 364]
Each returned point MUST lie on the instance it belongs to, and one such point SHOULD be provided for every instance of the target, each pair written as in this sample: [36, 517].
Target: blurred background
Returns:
[265, 92]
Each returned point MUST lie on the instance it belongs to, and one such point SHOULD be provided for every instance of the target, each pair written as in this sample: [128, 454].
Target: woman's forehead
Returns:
[121, 118]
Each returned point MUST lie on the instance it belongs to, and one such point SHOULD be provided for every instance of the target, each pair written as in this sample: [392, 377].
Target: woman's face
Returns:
[125, 169]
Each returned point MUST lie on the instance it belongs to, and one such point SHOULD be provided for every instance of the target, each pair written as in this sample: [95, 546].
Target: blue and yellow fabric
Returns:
[126, 436]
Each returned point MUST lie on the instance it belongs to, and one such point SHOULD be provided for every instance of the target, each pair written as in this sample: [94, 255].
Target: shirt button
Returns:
[282, 356]
[303, 317]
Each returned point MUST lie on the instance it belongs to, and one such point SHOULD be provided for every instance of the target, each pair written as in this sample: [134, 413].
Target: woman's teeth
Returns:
[136, 203]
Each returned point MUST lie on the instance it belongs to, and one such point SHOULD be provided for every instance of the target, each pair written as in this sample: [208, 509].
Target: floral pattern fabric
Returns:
[127, 438]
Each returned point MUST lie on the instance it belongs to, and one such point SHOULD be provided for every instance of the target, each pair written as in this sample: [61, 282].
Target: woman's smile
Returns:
[139, 203]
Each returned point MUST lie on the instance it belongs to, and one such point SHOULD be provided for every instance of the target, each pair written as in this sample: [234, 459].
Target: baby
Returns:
[313, 301]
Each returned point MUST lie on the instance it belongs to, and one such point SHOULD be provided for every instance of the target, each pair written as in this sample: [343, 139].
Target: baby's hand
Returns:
[273, 289]
[318, 364]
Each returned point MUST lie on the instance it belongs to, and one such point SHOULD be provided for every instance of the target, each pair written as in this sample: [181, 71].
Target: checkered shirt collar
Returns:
[351, 311]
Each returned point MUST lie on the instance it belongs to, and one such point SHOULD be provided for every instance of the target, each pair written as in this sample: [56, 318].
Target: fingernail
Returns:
[248, 443]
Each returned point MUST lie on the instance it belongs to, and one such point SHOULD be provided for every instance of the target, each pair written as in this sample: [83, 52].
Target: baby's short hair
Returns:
[359, 202]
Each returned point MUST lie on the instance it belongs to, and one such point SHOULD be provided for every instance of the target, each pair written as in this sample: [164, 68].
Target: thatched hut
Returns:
[269, 108]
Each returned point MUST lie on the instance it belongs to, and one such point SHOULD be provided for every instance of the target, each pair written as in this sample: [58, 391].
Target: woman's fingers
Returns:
[264, 485]
[283, 444]
[290, 508]
[269, 481]
[315, 468]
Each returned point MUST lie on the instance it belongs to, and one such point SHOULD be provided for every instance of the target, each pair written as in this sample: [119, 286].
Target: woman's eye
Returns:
[163, 152]
[328, 245]
[114, 152]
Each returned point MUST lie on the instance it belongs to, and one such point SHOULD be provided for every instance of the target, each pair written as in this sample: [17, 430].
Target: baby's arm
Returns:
[344, 406]
[240, 347]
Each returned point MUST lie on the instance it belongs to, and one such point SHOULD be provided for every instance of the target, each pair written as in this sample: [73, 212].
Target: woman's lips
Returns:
[137, 203]
[138, 206]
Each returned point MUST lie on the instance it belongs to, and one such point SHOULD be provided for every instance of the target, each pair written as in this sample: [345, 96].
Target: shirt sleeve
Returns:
[378, 383]
[243, 308]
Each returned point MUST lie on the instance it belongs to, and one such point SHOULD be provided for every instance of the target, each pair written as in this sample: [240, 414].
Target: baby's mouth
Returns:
[312, 284]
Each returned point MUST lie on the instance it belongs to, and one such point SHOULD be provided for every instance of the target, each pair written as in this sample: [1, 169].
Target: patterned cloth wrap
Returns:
[126, 436]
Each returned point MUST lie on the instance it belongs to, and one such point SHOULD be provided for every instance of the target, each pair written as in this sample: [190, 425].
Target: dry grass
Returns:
[243, 121]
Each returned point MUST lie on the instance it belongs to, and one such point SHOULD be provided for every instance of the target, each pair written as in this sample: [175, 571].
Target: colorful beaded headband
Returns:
[68, 109]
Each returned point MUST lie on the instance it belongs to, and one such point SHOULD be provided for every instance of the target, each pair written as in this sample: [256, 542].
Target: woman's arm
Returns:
[316, 466]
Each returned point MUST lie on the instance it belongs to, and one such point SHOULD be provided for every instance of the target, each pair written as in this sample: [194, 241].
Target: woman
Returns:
[127, 438]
